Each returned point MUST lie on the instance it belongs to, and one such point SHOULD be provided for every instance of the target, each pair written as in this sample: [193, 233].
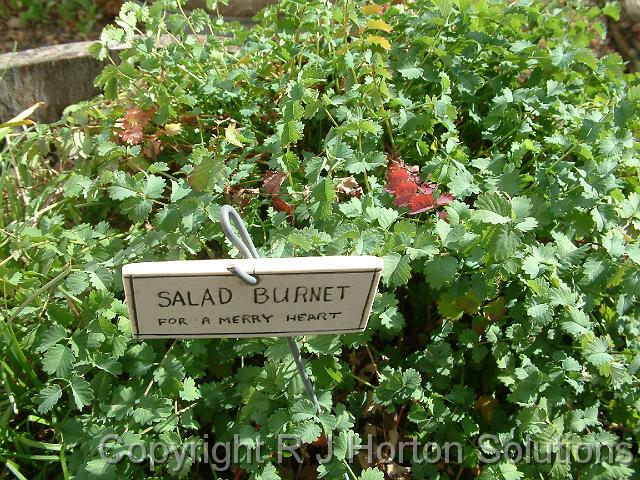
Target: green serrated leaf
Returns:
[396, 270]
[58, 360]
[52, 336]
[153, 186]
[440, 271]
[48, 398]
[179, 190]
[190, 391]
[290, 132]
[82, 392]
[371, 474]
[209, 172]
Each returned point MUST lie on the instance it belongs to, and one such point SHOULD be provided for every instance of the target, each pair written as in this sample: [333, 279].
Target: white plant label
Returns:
[293, 296]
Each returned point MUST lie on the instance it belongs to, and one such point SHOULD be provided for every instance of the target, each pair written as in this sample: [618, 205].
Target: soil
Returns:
[624, 37]
[18, 34]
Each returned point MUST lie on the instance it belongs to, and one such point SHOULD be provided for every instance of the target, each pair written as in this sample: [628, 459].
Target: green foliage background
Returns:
[83, 14]
[515, 313]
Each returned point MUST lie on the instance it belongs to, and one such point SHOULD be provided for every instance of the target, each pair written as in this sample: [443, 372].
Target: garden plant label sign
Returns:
[293, 296]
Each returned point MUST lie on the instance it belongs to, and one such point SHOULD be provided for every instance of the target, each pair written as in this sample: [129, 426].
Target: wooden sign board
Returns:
[293, 296]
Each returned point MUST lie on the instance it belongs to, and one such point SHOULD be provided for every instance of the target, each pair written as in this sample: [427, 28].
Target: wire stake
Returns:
[246, 247]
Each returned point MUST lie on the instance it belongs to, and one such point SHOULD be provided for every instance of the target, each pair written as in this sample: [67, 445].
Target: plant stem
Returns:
[351, 474]
[361, 380]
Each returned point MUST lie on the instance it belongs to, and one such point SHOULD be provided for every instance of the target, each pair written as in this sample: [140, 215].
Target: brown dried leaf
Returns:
[240, 196]
[152, 150]
[321, 441]
[398, 472]
[281, 205]
[349, 187]
[272, 181]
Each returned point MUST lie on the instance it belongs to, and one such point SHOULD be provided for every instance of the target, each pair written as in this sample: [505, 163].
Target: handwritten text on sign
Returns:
[201, 298]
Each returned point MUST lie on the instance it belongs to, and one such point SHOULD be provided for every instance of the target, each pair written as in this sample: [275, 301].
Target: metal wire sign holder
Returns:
[204, 299]
[246, 247]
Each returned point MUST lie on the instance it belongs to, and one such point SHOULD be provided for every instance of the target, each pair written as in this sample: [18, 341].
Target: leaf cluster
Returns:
[482, 149]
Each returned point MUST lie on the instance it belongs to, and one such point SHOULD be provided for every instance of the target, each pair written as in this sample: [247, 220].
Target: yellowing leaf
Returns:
[17, 123]
[380, 41]
[232, 135]
[372, 9]
[379, 25]
[172, 129]
[19, 120]
[27, 113]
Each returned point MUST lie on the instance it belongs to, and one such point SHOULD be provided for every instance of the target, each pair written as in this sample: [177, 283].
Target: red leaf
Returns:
[134, 121]
[283, 206]
[404, 192]
[137, 117]
[421, 203]
[409, 191]
[321, 441]
[445, 199]
[427, 187]
[400, 184]
[396, 175]
[132, 136]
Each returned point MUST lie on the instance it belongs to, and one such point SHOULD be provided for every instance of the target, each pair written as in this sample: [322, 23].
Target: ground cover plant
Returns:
[480, 148]
[82, 13]
[36, 23]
